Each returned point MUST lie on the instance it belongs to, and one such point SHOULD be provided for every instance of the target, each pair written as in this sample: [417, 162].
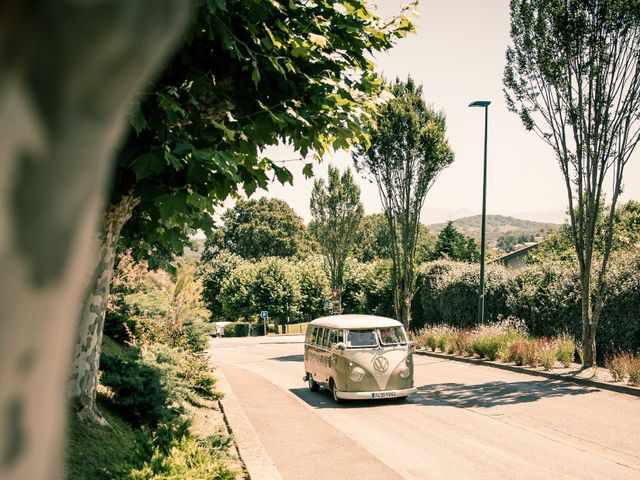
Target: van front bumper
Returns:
[376, 395]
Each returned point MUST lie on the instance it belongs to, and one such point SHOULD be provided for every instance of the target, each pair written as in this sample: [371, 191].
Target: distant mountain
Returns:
[497, 226]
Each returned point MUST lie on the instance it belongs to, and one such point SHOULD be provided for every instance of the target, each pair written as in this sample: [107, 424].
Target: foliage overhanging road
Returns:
[466, 421]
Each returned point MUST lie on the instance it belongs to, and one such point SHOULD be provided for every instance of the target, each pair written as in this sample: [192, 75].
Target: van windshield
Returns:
[392, 336]
[361, 338]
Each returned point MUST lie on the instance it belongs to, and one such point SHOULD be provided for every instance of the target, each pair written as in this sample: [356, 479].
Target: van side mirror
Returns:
[341, 346]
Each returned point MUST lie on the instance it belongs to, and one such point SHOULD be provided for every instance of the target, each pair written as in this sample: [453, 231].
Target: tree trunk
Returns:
[86, 356]
[406, 311]
[588, 345]
[588, 325]
[69, 74]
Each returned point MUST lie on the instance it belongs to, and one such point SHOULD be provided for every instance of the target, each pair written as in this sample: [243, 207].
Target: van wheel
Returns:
[313, 386]
[332, 386]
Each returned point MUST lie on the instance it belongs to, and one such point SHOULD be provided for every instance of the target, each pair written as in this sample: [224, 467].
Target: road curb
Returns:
[538, 373]
[253, 454]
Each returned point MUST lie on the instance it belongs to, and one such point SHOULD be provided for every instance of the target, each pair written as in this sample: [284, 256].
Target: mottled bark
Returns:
[86, 355]
[68, 73]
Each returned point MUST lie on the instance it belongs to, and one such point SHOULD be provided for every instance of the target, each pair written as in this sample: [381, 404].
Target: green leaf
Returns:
[138, 122]
[228, 133]
[146, 165]
[255, 76]
[172, 160]
[283, 175]
[171, 204]
[307, 171]
[319, 40]
[197, 200]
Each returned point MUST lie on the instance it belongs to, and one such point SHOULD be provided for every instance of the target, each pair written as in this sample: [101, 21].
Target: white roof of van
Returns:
[355, 321]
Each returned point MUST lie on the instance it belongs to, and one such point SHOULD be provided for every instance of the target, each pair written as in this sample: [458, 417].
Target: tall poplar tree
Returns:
[573, 77]
[337, 212]
[408, 150]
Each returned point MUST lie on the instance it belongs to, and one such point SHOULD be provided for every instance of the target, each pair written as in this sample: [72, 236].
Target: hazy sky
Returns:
[458, 55]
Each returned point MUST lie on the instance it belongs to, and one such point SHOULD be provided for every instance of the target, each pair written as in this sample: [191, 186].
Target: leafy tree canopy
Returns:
[254, 229]
[314, 287]
[337, 212]
[408, 150]
[558, 245]
[374, 240]
[213, 272]
[454, 245]
[573, 77]
[250, 73]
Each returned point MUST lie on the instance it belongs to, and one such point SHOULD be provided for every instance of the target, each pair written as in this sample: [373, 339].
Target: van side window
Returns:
[312, 334]
[326, 339]
[319, 336]
[337, 336]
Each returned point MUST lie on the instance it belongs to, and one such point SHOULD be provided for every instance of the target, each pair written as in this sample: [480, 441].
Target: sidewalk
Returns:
[574, 374]
[279, 438]
[253, 454]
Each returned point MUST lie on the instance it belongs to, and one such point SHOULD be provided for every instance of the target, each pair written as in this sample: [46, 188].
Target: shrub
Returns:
[140, 393]
[444, 341]
[149, 383]
[486, 341]
[546, 296]
[462, 343]
[237, 329]
[436, 337]
[618, 365]
[634, 370]
[566, 348]
[548, 353]
[171, 453]
[491, 341]
[504, 353]
[525, 352]
[532, 353]
[185, 374]
[378, 292]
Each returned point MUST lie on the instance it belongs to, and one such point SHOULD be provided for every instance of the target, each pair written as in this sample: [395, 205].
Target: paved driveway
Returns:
[466, 422]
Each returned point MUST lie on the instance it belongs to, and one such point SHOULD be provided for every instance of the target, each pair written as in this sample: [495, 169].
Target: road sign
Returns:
[264, 314]
[334, 294]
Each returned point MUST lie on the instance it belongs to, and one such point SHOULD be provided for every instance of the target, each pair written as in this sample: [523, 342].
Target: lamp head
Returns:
[480, 103]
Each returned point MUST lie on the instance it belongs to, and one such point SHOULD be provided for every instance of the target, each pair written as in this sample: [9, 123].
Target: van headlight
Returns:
[357, 374]
[405, 372]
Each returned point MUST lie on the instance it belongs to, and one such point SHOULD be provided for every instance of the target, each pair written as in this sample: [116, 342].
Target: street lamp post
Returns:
[485, 104]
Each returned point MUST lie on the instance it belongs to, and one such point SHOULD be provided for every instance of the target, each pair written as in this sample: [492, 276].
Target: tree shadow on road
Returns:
[484, 395]
[324, 399]
[289, 358]
[491, 394]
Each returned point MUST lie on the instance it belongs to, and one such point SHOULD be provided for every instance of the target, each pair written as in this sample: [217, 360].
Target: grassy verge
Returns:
[95, 452]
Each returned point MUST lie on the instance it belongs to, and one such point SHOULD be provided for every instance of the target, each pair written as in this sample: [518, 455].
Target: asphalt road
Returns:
[466, 422]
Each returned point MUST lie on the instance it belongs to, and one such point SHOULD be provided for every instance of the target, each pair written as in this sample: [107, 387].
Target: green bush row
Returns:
[545, 296]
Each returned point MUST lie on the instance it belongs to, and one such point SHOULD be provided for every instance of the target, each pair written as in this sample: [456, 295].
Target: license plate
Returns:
[383, 395]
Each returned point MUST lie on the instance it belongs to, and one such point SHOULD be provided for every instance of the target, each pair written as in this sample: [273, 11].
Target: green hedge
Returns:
[546, 297]
[237, 329]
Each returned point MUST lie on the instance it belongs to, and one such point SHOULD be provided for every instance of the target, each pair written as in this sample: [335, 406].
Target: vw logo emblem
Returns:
[380, 364]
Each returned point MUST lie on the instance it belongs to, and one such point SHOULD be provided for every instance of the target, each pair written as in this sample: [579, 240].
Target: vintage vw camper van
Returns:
[358, 357]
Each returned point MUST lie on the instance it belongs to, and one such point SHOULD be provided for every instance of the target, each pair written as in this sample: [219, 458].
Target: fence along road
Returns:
[467, 421]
